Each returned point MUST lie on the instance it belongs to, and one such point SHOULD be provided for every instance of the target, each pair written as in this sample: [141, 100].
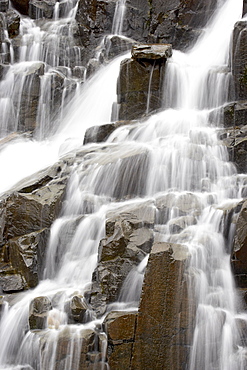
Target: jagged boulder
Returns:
[239, 253]
[13, 23]
[38, 312]
[139, 86]
[129, 238]
[41, 9]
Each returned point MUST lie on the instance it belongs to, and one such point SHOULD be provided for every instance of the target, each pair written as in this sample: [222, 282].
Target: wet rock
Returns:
[239, 253]
[41, 9]
[77, 309]
[22, 213]
[139, 86]
[98, 134]
[13, 23]
[129, 238]
[38, 312]
[185, 206]
[79, 72]
[85, 341]
[29, 212]
[4, 5]
[11, 282]
[27, 254]
[28, 100]
[164, 327]
[239, 60]
[94, 20]
[21, 5]
[120, 329]
[116, 45]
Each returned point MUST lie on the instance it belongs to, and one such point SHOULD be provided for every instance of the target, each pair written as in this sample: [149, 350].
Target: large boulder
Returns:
[140, 80]
[165, 317]
[27, 254]
[38, 312]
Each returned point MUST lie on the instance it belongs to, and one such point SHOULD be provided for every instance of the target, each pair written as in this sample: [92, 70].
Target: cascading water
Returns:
[184, 161]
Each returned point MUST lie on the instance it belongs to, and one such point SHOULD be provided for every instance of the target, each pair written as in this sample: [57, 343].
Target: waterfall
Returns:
[180, 157]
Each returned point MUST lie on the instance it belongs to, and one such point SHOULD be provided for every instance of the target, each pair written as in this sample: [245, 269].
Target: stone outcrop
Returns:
[120, 329]
[164, 327]
[129, 238]
[140, 81]
[26, 215]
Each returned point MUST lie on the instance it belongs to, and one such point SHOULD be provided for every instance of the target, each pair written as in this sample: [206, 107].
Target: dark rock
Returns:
[239, 253]
[120, 329]
[239, 60]
[244, 7]
[79, 72]
[139, 87]
[164, 327]
[99, 134]
[28, 100]
[26, 254]
[21, 5]
[38, 312]
[13, 23]
[77, 309]
[129, 238]
[4, 5]
[41, 9]
[94, 20]
[24, 213]
[12, 282]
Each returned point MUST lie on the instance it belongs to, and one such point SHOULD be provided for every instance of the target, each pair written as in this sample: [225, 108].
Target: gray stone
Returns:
[41, 9]
[152, 51]
[4, 5]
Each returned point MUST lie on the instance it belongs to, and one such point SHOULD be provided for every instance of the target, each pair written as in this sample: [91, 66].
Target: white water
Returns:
[185, 163]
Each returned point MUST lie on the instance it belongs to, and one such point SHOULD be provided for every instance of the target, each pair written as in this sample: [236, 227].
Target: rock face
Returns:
[120, 329]
[41, 9]
[128, 239]
[163, 331]
[140, 80]
[239, 60]
[25, 219]
[21, 5]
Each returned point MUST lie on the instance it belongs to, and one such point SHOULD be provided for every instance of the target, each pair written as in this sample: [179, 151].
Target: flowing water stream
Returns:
[184, 161]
